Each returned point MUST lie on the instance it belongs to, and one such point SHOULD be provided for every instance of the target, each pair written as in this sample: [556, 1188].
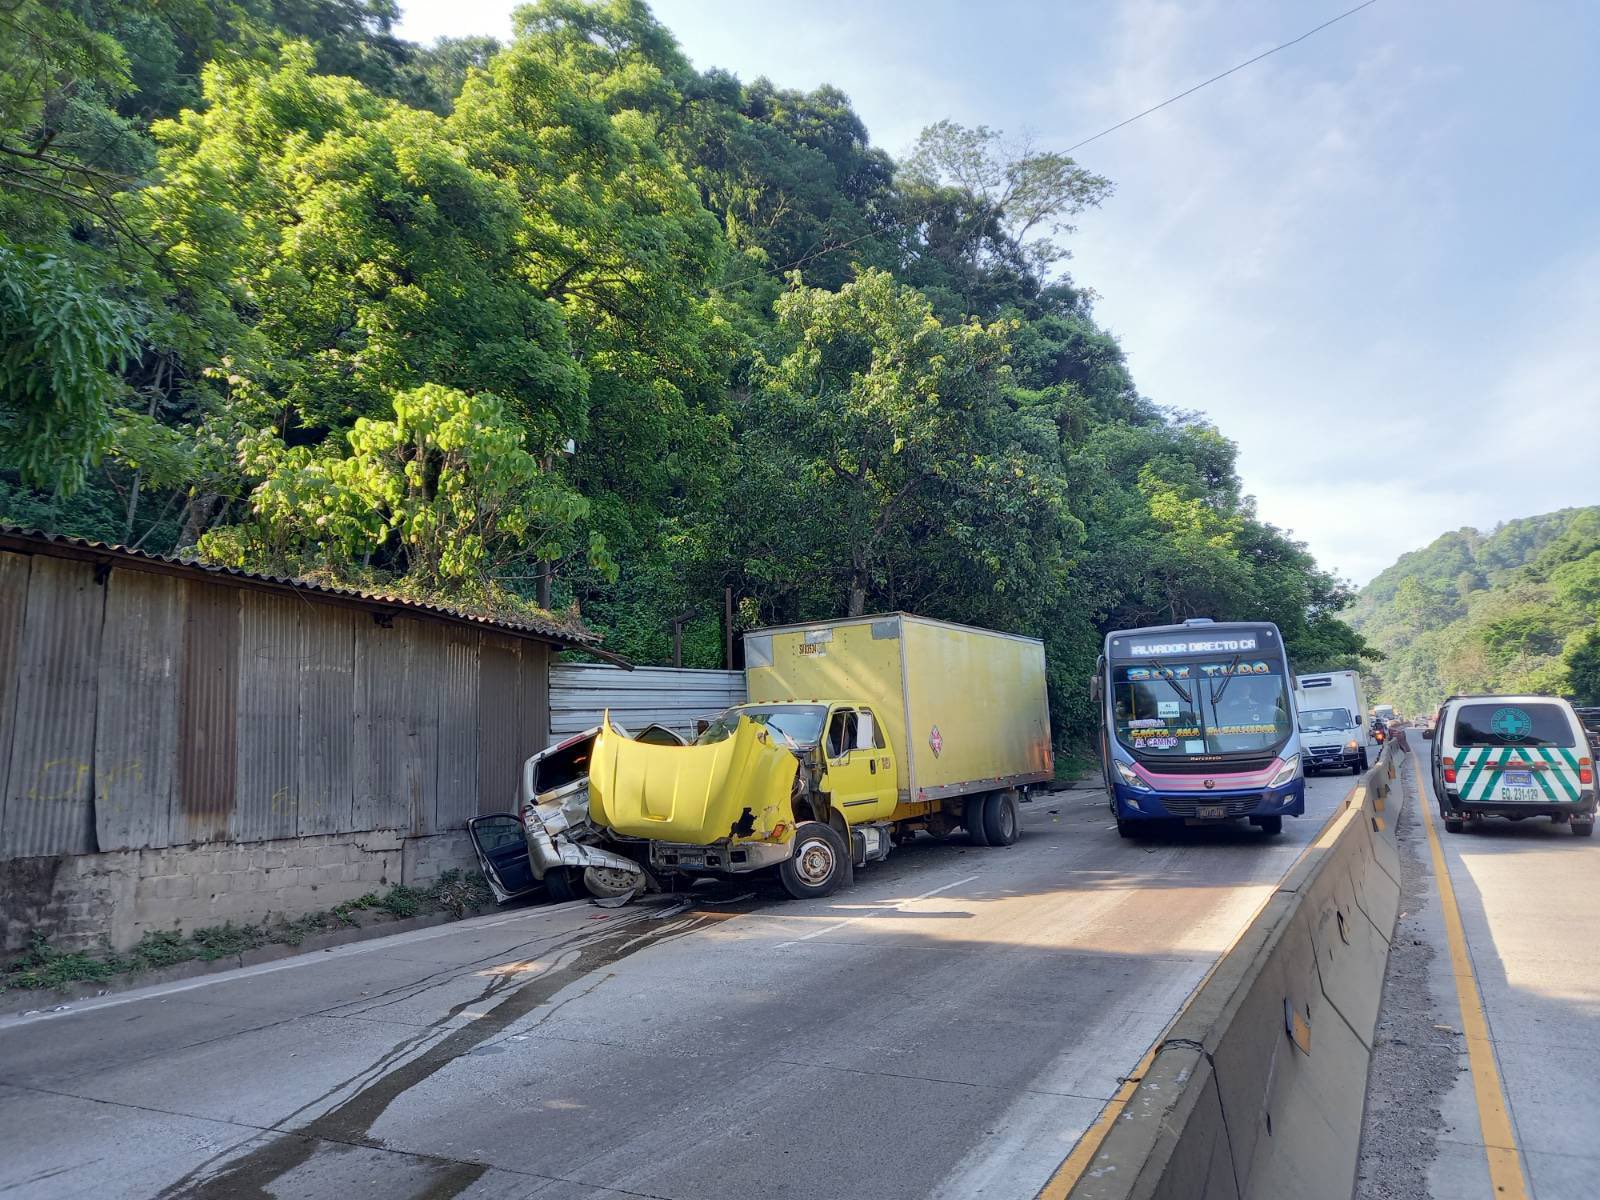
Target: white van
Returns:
[1333, 728]
[1515, 757]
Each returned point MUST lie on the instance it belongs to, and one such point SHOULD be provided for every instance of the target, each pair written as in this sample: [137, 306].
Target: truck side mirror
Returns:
[1427, 735]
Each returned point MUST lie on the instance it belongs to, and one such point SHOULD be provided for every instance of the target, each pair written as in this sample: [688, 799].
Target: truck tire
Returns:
[1002, 823]
[1583, 828]
[1363, 767]
[819, 864]
[1453, 825]
[972, 818]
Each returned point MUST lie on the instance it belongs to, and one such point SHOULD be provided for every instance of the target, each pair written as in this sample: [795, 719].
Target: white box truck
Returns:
[1333, 727]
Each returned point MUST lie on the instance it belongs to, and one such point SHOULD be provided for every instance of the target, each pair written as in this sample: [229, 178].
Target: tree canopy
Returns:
[567, 321]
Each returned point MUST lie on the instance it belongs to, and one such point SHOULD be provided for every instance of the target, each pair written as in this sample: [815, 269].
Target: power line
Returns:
[1224, 75]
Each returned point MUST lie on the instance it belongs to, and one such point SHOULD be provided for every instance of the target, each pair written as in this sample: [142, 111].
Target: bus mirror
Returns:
[1094, 688]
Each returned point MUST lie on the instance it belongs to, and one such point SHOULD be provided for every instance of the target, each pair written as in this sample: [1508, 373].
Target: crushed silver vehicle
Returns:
[551, 840]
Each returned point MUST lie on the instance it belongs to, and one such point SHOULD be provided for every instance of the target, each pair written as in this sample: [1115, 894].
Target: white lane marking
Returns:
[879, 913]
[160, 991]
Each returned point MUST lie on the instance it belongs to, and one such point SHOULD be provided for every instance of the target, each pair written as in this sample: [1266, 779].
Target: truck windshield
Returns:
[799, 725]
[1325, 720]
[1175, 710]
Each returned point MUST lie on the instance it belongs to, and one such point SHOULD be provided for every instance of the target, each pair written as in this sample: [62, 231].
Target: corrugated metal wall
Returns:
[145, 710]
[670, 696]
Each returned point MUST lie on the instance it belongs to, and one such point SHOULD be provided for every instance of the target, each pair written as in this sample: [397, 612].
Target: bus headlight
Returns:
[1130, 776]
[1290, 768]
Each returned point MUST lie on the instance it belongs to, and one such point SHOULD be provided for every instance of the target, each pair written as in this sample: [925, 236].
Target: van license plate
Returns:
[1211, 812]
[1519, 795]
[1519, 779]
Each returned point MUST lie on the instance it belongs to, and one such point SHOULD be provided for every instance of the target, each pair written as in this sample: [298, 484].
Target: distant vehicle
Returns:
[1514, 757]
[1197, 725]
[1383, 713]
[1333, 728]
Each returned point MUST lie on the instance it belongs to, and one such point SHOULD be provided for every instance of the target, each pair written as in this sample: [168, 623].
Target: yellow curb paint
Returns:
[1070, 1171]
[1494, 1118]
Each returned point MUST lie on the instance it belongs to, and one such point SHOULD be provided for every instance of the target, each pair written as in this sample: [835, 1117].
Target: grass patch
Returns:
[43, 966]
[1074, 762]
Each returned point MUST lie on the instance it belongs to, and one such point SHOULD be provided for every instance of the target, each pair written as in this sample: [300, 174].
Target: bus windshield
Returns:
[1175, 710]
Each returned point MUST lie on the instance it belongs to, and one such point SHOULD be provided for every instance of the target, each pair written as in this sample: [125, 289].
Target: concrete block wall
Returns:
[79, 901]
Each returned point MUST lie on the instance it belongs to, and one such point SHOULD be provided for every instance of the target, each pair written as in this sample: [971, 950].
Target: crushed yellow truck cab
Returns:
[738, 788]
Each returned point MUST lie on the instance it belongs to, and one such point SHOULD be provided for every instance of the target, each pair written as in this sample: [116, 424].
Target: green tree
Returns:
[906, 435]
[438, 498]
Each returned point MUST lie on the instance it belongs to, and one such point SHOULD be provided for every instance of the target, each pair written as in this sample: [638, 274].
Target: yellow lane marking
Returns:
[1494, 1118]
[1071, 1170]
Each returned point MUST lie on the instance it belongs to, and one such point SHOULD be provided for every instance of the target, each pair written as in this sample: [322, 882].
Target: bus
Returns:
[1197, 726]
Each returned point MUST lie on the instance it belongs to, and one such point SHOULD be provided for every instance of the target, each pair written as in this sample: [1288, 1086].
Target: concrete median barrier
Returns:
[1256, 1092]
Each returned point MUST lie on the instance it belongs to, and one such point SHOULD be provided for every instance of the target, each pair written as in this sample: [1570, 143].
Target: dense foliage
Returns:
[568, 319]
[1515, 610]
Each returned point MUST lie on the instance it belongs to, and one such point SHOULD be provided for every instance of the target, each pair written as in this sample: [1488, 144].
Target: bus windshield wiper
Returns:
[1166, 673]
[1217, 692]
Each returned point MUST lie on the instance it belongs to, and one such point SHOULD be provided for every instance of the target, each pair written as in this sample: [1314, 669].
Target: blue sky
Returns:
[1372, 259]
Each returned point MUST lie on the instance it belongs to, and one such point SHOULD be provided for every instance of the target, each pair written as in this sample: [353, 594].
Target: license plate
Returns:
[1519, 795]
[1520, 779]
[691, 860]
[1211, 812]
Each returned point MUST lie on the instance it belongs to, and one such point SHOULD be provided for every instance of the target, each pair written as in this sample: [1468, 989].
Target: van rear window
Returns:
[1491, 724]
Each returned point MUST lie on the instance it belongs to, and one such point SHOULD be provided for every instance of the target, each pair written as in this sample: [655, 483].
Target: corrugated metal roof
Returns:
[34, 541]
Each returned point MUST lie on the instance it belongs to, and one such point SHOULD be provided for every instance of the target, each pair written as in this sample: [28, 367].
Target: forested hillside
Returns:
[1517, 609]
[569, 320]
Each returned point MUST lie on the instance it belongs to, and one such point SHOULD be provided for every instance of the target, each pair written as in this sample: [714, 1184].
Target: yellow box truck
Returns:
[857, 733]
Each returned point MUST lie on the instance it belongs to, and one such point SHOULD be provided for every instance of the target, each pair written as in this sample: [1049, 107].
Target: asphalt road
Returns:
[1435, 1118]
[948, 1027]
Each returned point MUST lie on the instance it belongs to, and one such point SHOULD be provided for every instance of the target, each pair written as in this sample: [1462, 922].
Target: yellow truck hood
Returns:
[691, 794]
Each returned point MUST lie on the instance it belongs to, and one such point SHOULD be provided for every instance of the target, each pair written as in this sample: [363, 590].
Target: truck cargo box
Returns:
[964, 709]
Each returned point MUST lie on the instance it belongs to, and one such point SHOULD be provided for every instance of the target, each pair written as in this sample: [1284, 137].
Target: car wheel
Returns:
[1002, 823]
[1127, 829]
[1270, 825]
[819, 862]
[972, 818]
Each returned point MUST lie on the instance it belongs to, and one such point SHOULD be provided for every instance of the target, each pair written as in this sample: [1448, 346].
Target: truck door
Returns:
[860, 773]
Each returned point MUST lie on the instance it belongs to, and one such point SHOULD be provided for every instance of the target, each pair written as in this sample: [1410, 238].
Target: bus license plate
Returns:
[1210, 812]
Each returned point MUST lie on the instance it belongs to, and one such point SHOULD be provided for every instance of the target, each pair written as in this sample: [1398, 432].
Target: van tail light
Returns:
[1585, 771]
[1449, 770]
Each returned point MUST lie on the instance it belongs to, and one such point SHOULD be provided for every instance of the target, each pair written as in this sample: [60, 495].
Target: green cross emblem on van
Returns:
[1512, 724]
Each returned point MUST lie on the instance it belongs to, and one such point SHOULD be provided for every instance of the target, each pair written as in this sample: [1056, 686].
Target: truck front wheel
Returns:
[818, 865]
[1002, 823]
